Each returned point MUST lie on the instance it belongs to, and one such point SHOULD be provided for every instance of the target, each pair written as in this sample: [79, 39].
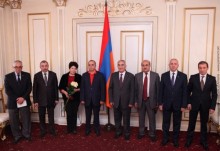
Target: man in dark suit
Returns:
[92, 95]
[147, 85]
[18, 88]
[45, 95]
[121, 96]
[172, 99]
[202, 96]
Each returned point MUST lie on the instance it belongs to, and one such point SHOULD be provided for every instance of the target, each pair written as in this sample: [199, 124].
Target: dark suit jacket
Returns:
[207, 98]
[153, 89]
[125, 93]
[173, 95]
[95, 92]
[64, 84]
[42, 94]
[15, 90]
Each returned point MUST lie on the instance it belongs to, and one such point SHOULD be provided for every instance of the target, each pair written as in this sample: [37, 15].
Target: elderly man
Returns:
[121, 96]
[147, 85]
[18, 88]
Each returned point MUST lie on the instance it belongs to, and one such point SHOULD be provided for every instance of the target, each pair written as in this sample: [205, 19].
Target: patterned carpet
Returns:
[105, 142]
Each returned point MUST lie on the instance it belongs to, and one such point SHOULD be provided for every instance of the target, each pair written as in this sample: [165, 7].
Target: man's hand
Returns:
[101, 102]
[111, 103]
[136, 105]
[182, 109]
[35, 105]
[161, 107]
[211, 111]
[189, 107]
[130, 105]
[155, 109]
[20, 100]
[82, 102]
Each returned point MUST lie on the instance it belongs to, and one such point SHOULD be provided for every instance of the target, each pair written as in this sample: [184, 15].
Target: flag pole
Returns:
[108, 126]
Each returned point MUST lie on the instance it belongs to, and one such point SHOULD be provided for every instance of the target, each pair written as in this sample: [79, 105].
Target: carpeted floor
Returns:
[105, 142]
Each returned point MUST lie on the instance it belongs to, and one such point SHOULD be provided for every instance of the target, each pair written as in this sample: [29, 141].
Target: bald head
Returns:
[92, 65]
[145, 65]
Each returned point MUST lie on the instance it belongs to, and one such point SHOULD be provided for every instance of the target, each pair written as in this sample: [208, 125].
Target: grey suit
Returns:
[15, 90]
[121, 97]
[150, 105]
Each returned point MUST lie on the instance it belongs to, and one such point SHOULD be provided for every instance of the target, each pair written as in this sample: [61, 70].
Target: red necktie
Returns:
[145, 88]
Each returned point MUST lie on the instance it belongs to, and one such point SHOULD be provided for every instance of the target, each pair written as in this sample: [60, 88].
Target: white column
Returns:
[2, 46]
[218, 83]
[170, 29]
[16, 17]
[60, 117]
[61, 39]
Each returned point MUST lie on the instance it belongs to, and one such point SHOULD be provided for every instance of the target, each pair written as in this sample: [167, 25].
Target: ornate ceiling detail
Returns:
[14, 4]
[116, 8]
[171, 0]
[60, 2]
[2, 3]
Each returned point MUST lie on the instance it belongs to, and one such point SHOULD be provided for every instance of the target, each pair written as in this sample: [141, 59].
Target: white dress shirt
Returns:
[123, 75]
[47, 74]
[175, 74]
[16, 74]
[204, 78]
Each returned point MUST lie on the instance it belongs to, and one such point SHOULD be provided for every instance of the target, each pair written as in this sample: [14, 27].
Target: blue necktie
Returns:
[172, 80]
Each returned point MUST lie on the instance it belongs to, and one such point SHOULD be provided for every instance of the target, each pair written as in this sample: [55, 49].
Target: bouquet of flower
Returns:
[71, 90]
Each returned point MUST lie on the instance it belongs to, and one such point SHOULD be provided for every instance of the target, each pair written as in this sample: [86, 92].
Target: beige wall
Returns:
[62, 25]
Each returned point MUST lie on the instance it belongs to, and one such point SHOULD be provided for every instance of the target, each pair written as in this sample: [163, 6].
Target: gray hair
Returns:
[17, 61]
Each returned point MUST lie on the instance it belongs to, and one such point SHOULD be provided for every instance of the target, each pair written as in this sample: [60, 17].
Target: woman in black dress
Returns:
[71, 101]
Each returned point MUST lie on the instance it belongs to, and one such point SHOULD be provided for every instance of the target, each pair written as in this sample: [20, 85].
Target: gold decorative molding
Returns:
[170, 0]
[60, 3]
[116, 8]
[14, 4]
[2, 3]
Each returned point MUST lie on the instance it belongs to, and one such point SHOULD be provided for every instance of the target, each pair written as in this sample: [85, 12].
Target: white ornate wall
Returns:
[64, 30]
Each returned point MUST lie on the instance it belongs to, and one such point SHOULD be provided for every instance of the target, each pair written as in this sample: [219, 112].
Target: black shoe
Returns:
[42, 135]
[139, 136]
[28, 139]
[127, 137]
[53, 133]
[204, 145]
[17, 140]
[68, 132]
[176, 144]
[117, 135]
[97, 133]
[87, 133]
[188, 143]
[74, 132]
[153, 138]
[164, 142]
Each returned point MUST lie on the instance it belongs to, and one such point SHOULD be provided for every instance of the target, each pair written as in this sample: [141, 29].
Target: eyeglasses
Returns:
[18, 67]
